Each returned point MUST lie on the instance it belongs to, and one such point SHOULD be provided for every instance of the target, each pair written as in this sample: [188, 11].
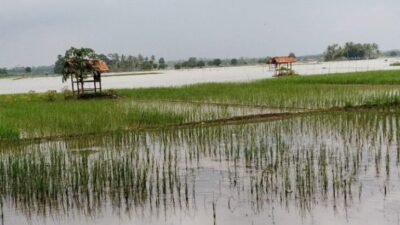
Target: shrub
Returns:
[284, 71]
[67, 94]
[178, 66]
[51, 96]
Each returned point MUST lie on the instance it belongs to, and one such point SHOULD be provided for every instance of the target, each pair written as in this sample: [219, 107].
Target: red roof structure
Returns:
[99, 65]
[283, 60]
[283, 65]
[94, 67]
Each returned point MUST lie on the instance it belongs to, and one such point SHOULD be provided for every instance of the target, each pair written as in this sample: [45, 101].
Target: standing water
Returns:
[337, 168]
[194, 76]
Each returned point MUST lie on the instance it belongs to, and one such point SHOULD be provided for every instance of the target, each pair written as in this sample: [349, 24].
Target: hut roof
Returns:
[90, 64]
[283, 60]
[100, 65]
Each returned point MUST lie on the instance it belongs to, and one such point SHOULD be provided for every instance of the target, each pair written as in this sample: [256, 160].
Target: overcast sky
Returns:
[34, 32]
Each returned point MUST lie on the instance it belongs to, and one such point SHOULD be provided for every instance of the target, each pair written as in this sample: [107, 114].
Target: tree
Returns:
[333, 52]
[234, 62]
[217, 62]
[192, 62]
[147, 64]
[201, 64]
[351, 51]
[162, 64]
[292, 55]
[178, 66]
[393, 54]
[59, 65]
[3, 71]
[75, 63]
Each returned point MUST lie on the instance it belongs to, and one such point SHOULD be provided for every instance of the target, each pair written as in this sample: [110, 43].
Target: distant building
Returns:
[282, 65]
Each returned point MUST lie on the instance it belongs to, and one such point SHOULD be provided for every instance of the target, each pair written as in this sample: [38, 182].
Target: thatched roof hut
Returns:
[282, 60]
[99, 65]
[283, 65]
[80, 73]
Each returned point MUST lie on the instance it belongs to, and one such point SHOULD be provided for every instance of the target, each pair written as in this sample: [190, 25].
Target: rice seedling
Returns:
[301, 163]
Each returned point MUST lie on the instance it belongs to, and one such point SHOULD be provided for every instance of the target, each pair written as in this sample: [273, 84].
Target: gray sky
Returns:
[34, 32]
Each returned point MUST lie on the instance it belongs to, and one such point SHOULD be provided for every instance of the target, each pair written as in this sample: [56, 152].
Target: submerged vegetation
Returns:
[301, 163]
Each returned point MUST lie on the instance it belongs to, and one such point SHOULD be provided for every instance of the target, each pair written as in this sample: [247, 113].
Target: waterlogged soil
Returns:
[331, 168]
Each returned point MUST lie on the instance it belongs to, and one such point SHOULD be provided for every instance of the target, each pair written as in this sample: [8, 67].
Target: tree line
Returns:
[127, 63]
[351, 51]
[34, 70]
[194, 62]
[122, 63]
[3, 71]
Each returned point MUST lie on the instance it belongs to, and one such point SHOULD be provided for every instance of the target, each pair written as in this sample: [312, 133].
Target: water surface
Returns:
[324, 169]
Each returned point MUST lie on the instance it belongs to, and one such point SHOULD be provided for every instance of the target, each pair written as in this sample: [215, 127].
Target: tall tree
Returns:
[59, 65]
[76, 62]
[351, 51]
[3, 71]
[217, 62]
[28, 69]
[234, 62]
[162, 64]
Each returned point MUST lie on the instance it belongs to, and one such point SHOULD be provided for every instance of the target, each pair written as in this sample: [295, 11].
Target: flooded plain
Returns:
[327, 168]
[170, 78]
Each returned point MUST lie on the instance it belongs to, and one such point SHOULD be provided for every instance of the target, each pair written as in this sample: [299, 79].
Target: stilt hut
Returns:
[282, 65]
[90, 82]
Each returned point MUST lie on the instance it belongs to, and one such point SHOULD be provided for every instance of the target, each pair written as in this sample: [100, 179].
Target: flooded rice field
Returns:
[186, 77]
[330, 168]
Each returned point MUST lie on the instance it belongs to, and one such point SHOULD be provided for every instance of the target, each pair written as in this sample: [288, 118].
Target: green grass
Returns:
[37, 115]
[302, 92]
[395, 64]
[41, 118]
[8, 133]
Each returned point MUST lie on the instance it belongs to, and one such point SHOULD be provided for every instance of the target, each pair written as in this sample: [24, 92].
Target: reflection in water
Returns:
[297, 167]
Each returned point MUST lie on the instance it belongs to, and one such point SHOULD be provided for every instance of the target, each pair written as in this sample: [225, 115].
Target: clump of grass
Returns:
[51, 96]
[8, 133]
[395, 64]
[284, 71]
[108, 94]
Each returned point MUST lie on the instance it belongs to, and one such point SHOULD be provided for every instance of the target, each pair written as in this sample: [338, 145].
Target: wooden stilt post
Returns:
[100, 82]
[72, 83]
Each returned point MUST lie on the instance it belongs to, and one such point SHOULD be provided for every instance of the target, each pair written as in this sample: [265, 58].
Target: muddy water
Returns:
[322, 169]
[186, 77]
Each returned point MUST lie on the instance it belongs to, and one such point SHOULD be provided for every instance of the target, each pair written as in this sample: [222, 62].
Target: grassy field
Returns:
[39, 115]
[312, 92]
